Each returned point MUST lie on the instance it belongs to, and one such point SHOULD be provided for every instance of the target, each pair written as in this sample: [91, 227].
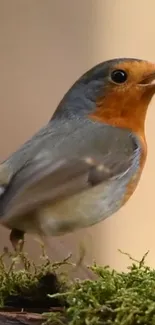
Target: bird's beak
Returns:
[148, 81]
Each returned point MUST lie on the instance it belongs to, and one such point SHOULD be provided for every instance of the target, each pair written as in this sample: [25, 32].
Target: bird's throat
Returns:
[117, 111]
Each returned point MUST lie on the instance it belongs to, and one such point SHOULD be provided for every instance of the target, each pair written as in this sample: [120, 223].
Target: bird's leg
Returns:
[43, 242]
[17, 239]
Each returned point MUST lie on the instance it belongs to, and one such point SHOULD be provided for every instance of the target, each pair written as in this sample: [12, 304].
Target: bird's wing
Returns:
[41, 180]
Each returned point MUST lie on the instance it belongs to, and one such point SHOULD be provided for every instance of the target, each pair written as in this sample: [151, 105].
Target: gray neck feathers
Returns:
[80, 99]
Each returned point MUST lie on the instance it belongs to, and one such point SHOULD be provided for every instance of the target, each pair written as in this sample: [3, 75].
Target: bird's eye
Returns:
[119, 76]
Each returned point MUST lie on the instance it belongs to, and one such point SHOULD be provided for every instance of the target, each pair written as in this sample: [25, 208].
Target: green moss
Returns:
[113, 298]
[118, 298]
[23, 284]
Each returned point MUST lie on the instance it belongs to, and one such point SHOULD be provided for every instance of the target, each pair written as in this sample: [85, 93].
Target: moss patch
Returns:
[119, 298]
[26, 285]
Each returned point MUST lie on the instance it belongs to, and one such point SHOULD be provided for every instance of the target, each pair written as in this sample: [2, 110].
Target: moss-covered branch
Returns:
[118, 298]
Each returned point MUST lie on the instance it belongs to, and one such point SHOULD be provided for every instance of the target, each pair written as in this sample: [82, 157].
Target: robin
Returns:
[85, 164]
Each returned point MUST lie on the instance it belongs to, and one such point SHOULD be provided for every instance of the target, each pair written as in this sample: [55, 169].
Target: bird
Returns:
[86, 162]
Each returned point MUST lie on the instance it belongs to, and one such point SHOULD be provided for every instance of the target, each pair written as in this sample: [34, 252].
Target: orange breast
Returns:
[131, 118]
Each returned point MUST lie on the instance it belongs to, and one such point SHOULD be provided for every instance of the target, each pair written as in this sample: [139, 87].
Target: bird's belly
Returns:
[82, 210]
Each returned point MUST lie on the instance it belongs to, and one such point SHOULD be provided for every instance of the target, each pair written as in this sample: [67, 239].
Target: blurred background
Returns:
[44, 47]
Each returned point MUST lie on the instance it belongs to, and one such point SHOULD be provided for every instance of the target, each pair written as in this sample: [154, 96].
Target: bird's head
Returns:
[116, 92]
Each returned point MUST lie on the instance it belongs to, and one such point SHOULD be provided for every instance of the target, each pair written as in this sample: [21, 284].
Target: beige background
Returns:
[44, 46]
